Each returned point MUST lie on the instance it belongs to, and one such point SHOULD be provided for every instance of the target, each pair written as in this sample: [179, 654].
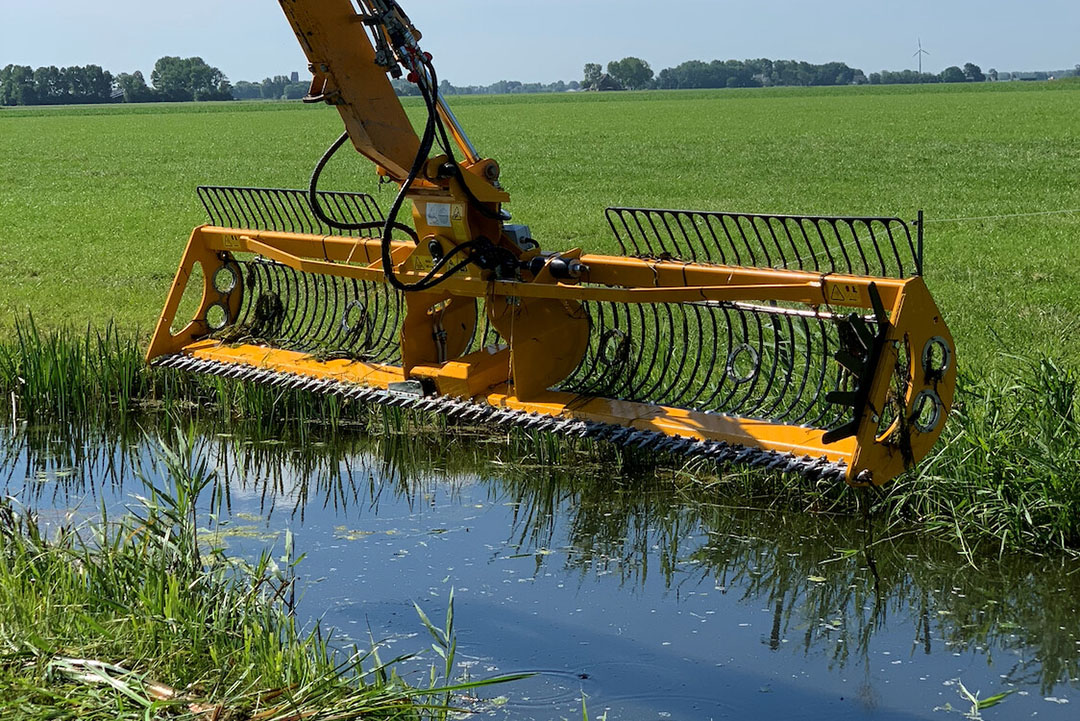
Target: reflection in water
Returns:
[829, 586]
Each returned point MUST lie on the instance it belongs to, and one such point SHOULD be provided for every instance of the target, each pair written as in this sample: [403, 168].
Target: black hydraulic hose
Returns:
[426, 142]
[322, 215]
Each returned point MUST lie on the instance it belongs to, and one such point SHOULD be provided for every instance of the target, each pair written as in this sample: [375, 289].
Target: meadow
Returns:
[96, 203]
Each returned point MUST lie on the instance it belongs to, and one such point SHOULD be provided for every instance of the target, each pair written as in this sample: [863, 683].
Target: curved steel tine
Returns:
[855, 241]
[621, 214]
[840, 247]
[768, 224]
[875, 248]
[749, 221]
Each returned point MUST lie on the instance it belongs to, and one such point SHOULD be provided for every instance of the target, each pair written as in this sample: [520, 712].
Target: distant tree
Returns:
[296, 91]
[953, 74]
[992, 74]
[5, 79]
[904, 77]
[593, 71]
[133, 86]
[18, 87]
[51, 85]
[274, 88]
[181, 79]
[973, 73]
[404, 88]
[89, 84]
[244, 90]
[171, 79]
[631, 73]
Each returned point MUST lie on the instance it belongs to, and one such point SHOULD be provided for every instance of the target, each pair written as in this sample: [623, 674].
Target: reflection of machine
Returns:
[793, 343]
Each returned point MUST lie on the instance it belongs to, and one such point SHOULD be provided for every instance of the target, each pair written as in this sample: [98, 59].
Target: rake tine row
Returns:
[283, 210]
[828, 244]
[748, 361]
[468, 412]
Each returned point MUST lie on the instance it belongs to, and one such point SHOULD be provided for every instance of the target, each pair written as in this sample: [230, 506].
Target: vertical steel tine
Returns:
[616, 217]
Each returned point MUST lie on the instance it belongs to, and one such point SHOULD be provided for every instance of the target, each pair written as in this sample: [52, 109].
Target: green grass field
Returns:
[97, 203]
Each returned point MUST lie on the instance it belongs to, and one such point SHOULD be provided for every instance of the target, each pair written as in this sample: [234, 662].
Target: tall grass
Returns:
[1007, 472]
[100, 375]
[136, 618]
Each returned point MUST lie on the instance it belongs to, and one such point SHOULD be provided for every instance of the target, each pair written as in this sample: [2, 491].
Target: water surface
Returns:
[651, 599]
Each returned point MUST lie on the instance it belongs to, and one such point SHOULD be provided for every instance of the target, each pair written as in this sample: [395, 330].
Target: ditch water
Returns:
[650, 600]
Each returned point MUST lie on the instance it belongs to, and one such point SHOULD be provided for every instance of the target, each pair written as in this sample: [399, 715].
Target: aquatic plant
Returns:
[135, 617]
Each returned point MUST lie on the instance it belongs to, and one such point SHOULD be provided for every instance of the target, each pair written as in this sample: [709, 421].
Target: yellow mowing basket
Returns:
[790, 343]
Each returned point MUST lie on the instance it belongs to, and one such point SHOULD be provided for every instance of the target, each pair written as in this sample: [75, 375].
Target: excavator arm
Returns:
[804, 344]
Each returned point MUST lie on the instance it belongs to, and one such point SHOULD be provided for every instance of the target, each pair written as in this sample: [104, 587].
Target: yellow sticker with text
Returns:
[422, 262]
[844, 293]
[458, 223]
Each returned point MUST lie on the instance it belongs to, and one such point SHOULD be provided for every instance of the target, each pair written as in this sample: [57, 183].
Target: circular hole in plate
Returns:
[217, 317]
[937, 357]
[927, 412]
[225, 279]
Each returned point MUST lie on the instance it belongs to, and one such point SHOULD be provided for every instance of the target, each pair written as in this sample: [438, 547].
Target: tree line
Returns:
[279, 87]
[172, 80]
[635, 74]
[23, 85]
[192, 79]
[501, 87]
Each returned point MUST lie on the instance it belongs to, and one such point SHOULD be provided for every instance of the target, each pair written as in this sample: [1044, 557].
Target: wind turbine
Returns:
[919, 53]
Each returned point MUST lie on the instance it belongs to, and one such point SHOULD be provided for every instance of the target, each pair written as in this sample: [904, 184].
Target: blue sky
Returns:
[481, 41]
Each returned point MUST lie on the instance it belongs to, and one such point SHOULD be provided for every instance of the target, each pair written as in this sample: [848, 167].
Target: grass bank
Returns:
[137, 617]
[1005, 477]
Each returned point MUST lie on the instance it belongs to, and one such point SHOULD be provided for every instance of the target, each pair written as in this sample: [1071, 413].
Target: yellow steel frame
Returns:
[546, 332]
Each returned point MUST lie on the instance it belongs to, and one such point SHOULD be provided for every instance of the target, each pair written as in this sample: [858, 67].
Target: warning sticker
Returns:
[422, 262]
[457, 218]
[845, 293]
[438, 215]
